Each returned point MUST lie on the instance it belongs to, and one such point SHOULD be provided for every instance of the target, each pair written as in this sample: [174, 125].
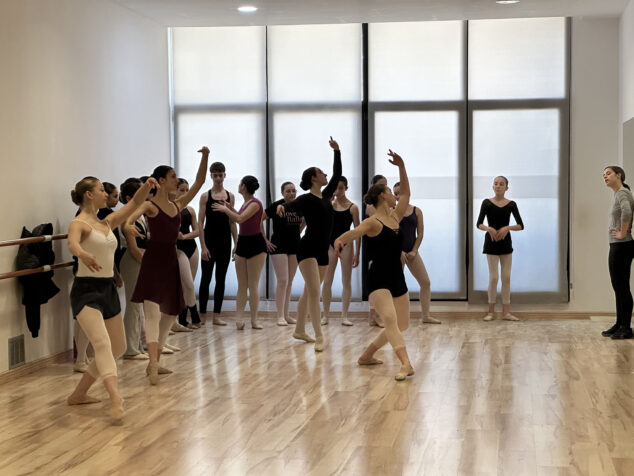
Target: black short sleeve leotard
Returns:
[286, 234]
[498, 217]
[386, 270]
[318, 213]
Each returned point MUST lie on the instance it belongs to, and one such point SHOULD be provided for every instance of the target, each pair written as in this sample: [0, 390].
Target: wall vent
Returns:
[16, 351]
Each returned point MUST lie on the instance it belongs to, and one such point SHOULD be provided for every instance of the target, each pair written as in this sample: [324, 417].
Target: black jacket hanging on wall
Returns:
[39, 287]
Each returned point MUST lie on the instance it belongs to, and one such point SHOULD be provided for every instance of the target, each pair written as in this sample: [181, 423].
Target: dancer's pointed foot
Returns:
[320, 344]
[303, 336]
[369, 361]
[406, 371]
[81, 400]
[290, 320]
[282, 322]
[430, 320]
[240, 325]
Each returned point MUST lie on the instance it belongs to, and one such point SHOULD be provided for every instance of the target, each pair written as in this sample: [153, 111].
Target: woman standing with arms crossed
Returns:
[621, 251]
[386, 282]
[215, 241]
[498, 245]
[93, 297]
[159, 286]
[412, 229]
[312, 256]
[345, 214]
[250, 249]
[283, 250]
[188, 258]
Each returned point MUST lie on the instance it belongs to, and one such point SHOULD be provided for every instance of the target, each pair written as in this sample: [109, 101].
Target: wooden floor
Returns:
[535, 397]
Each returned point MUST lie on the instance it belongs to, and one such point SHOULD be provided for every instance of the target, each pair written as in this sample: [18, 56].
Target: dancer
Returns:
[621, 251]
[412, 229]
[130, 266]
[345, 214]
[373, 317]
[283, 250]
[188, 258]
[251, 248]
[215, 241]
[159, 286]
[497, 244]
[386, 282]
[94, 300]
[312, 254]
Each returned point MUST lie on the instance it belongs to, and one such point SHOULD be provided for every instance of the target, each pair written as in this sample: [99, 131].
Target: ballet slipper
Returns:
[324, 321]
[218, 322]
[510, 317]
[161, 371]
[303, 336]
[82, 400]
[320, 344]
[282, 322]
[290, 320]
[370, 361]
[152, 373]
[406, 371]
[80, 367]
[256, 325]
[430, 320]
[172, 347]
[346, 322]
[116, 410]
[240, 325]
[489, 317]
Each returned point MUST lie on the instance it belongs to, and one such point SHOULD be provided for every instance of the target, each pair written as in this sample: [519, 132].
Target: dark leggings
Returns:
[220, 255]
[619, 263]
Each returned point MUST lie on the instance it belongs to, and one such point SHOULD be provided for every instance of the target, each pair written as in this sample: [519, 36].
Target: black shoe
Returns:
[194, 313]
[610, 331]
[182, 318]
[623, 333]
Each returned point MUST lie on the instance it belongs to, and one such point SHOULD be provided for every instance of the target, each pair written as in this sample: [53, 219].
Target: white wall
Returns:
[83, 91]
[627, 63]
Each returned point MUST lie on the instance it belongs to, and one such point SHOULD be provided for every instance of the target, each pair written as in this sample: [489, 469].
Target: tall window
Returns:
[417, 108]
[518, 106]
[315, 91]
[219, 100]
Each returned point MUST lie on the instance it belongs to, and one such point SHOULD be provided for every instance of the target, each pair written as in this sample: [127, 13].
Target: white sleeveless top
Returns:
[102, 247]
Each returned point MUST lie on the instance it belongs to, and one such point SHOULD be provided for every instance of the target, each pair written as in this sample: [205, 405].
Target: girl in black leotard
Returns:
[188, 258]
[386, 282]
[373, 318]
[283, 250]
[312, 255]
[345, 214]
[497, 244]
[215, 241]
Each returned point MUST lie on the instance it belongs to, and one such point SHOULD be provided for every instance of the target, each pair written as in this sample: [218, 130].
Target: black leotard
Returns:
[386, 270]
[342, 220]
[286, 234]
[498, 217]
[318, 214]
[186, 246]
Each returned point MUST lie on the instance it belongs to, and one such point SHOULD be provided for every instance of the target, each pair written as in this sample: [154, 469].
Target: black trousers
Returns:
[619, 263]
[220, 256]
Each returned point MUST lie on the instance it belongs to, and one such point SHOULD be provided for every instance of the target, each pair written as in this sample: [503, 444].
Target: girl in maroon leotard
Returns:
[158, 286]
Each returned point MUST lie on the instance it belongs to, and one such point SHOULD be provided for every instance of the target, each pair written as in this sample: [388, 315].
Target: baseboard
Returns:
[34, 366]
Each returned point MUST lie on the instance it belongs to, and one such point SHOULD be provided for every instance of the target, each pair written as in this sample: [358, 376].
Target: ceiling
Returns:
[298, 12]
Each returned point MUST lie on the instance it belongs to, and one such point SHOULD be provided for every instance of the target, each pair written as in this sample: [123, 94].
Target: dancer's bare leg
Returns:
[281, 267]
[313, 276]
[326, 289]
[254, 271]
[346, 279]
[292, 269]
[243, 285]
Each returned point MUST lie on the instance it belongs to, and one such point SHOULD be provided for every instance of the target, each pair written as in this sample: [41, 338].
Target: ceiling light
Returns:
[506, 2]
[247, 9]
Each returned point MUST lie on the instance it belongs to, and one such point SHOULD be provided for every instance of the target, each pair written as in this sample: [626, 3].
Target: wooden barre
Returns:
[34, 239]
[41, 269]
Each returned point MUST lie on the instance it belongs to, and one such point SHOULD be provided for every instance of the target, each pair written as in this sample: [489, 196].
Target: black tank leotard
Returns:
[342, 220]
[318, 213]
[386, 270]
[186, 246]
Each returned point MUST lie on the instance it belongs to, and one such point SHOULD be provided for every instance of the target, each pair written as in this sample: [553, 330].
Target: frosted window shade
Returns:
[517, 58]
[219, 65]
[237, 140]
[522, 145]
[428, 143]
[301, 141]
[315, 64]
[419, 61]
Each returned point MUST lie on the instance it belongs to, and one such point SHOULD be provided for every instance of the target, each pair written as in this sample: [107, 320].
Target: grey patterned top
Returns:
[621, 212]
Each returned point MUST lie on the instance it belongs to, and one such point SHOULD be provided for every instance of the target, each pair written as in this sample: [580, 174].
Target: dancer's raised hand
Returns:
[333, 144]
[396, 159]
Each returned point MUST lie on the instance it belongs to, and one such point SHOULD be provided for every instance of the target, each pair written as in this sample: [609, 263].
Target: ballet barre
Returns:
[40, 269]
[33, 239]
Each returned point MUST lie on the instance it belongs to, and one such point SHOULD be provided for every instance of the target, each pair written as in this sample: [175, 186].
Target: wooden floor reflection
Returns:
[529, 398]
